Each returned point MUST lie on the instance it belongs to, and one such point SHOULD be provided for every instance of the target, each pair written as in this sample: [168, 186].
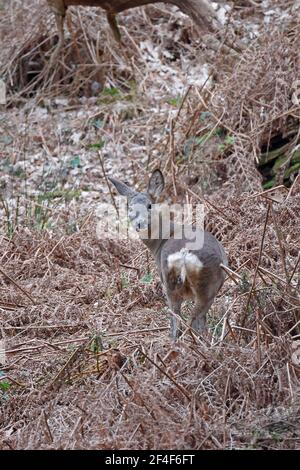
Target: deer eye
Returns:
[149, 206]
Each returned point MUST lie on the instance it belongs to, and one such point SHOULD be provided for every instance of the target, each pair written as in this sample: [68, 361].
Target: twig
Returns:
[267, 191]
[139, 395]
[217, 209]
[294, 270]
[232, 274]
[34, 348]
[257, 265]
[182, 389]
[69, 362]
[10, 306]
[8, 377]
[264, 270]
[18, 286]
[43, 327]
[107, 182]
[289, 380]
[292, 187]
[130, 267]
[279, 236]
[132, 332]
[172, 152]
[47, 425]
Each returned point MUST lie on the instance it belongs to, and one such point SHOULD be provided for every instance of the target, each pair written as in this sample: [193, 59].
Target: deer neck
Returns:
[159, 236]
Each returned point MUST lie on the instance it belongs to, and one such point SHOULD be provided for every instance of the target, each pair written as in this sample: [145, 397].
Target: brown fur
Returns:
[203, 275]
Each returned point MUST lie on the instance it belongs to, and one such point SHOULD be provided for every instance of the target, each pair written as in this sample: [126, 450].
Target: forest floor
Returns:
[83, 320]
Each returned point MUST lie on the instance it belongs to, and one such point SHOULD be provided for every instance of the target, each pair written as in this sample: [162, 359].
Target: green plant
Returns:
[4, 384]
[96, 146]
[147, 278]
[66, 194]
[111, 91]
[96, 345]
[204, 115]
[228, 142]
[75, 162]
[124, 281]
[98, 123]
[11, 215]
[174, 101]
[194, 141]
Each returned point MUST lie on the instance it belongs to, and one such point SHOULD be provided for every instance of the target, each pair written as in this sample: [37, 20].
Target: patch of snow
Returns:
[221, 12]
[76, 137]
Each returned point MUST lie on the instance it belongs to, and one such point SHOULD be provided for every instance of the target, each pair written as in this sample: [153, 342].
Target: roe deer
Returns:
[185, 273]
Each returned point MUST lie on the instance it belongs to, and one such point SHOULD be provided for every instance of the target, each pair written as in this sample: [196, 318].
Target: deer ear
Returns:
[122, 188]
[156, 183]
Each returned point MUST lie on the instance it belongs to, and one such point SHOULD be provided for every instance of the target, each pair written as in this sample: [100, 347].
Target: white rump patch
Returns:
[184, 262]
[192, 262]
[176, 263]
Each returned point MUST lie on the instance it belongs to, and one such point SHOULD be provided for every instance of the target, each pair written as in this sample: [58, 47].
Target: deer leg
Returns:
[60, 28]
[198, 322]
[175, 307]
[111, 18]
[59, 18]
[59, 9]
